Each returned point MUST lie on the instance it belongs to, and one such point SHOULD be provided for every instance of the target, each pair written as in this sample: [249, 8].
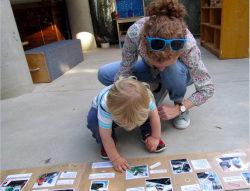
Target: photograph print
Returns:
[14, 184]
[159, 184]
[46, 180]
[231, 164]
[209, 181]
[245, 175]
[101, 185]
[137, 172]
[180, 166]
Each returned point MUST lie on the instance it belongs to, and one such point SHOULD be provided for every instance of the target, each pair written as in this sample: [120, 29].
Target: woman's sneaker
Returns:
[103, 152]
[161, 147]
[182, 121]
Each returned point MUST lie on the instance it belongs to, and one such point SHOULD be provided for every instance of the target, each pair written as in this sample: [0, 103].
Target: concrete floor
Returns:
[50, 121]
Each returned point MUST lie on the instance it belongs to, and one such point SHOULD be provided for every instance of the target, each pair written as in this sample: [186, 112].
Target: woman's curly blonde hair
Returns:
[166, 21]
[128, 101]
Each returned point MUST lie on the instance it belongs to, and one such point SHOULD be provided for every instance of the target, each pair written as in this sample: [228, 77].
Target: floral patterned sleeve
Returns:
[198, 72]
[129, 52]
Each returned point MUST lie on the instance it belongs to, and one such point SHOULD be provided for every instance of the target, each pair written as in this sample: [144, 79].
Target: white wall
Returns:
[80, 21]
[15, 75]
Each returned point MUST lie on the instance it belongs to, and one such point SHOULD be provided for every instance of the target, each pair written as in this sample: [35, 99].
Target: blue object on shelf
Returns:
[123, 6]
[130, 13]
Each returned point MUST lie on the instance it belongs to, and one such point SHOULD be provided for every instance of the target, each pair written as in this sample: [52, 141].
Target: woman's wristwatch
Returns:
[182, 107]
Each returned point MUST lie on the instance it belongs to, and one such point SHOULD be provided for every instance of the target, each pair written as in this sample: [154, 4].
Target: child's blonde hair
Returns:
[128, 101]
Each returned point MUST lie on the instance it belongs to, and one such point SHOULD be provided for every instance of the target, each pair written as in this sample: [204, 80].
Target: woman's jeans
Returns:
[175, 78]
[92, 125]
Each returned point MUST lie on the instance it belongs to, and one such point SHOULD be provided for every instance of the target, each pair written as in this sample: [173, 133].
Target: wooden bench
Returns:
[48, 62]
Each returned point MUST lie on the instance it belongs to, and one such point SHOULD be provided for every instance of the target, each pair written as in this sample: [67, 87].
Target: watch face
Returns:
[183, 108]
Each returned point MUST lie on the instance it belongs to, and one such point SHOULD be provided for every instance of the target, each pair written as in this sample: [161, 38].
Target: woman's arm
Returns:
[198, 72]
[129, 58]
[191, 57]
[130, 49]
[167, 112]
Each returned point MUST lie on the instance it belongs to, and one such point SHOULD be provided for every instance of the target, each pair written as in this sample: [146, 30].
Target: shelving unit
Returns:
[122, 26]
[225, 28]
[130, 11]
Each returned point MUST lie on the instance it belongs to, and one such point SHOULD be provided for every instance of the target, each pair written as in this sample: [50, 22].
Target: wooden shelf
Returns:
[211, 7]
[210, 47]
[128, 19]
[231, 40]
[213, 26]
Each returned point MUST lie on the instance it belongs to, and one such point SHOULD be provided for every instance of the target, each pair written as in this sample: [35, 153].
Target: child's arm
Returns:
[153, 141]
[119, 163]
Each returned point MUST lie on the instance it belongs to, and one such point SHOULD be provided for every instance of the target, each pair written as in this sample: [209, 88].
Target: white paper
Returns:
[102, 175]
[64, 182]
[102, 164]
[135, 189]
[232, 178]
[200, 164]
[234, 154]
[67, 174]
[190, 187]
[158, 171]
[247, 165]
[155, 165]
[26, 175]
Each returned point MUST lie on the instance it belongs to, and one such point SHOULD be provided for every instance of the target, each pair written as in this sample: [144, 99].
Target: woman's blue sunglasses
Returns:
[158, 44]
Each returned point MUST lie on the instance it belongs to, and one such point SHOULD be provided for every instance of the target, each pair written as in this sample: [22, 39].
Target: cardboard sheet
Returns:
[139, 179]
[220, 170]
[226, 162]
[62, 176]
[106, 178]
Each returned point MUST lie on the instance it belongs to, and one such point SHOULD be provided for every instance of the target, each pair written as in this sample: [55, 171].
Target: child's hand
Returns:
[121, 165]
[151, 143]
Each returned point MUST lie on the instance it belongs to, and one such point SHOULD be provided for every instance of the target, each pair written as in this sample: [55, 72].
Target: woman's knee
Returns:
[102, 76]
[106, 73]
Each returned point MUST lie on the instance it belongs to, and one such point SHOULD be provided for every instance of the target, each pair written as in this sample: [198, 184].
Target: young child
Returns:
[127, 103]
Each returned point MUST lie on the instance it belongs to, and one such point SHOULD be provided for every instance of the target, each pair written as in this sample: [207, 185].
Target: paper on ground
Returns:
[102, 175]
[64, 182]
[200, 164]
[190, 187]
[232, 178]
[102, 164]
[158, 171]
[155, 165]
[68, 174]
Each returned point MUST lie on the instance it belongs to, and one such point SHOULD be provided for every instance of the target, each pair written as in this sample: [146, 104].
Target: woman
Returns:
[170, 57]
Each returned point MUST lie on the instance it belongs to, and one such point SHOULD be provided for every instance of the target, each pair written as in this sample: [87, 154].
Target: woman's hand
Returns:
[167, 112]
[151, 143]
[121, 165]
